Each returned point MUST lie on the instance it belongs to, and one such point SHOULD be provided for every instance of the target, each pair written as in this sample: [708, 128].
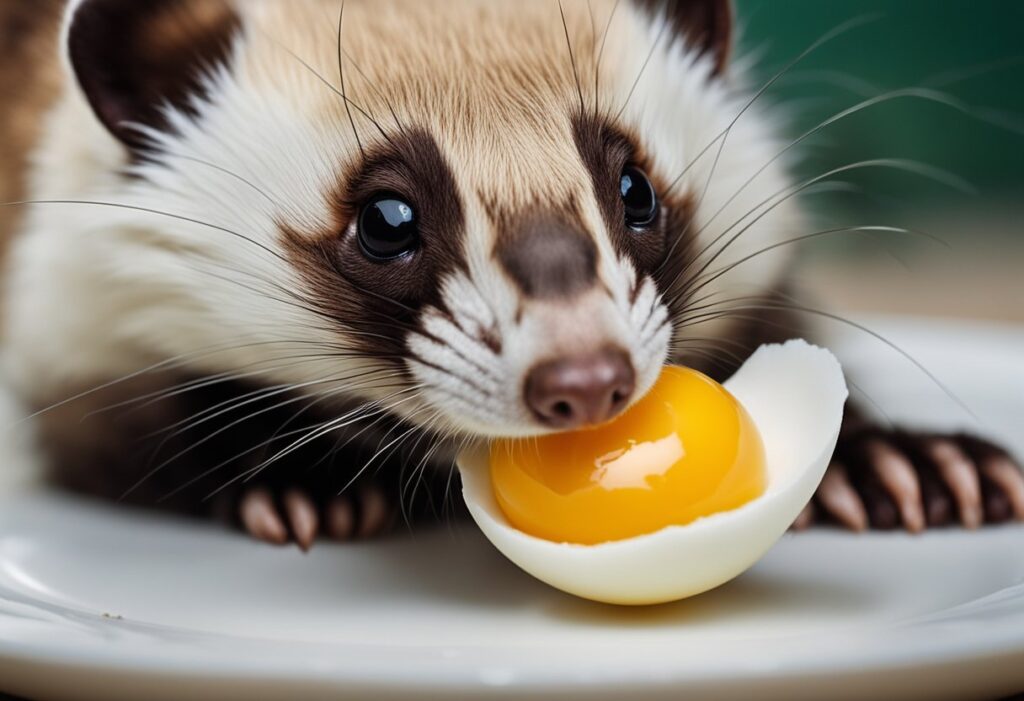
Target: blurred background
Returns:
[971, 51]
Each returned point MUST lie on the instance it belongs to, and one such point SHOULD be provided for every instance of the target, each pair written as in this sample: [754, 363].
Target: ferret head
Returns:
[489, 218]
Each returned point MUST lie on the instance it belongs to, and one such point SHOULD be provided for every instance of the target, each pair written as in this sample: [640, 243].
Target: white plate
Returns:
[98, 602]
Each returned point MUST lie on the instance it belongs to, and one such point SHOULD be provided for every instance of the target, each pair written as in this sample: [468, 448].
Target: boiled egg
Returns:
[681, 493]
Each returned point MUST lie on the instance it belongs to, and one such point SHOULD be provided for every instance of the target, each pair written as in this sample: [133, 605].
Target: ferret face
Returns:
[493, 212]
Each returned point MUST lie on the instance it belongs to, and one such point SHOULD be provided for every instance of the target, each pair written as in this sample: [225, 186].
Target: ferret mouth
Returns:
[553, 365]
[563, 395]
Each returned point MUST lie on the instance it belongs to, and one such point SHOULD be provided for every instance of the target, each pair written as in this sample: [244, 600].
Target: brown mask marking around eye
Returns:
[380, 302]
[606, 150]
[546, 254]
[663, 251]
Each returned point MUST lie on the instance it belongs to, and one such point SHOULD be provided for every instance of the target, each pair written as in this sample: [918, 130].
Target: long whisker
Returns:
[821, 41]
[278, 435]
[643, 67]
[136, 208]
[845, 81]
[572, 55]
[723, 135]
[430, 425]
[701, 284]
[960, 75]
[223, 429]
[324, 429]
[309, 434]
[341, 80]
[245, 181]
[600, 56]
[790, 306]
[792, 329]
[224, 463]
[348, 102]
[228, 406]
[380, 451]
[905, 93]
[168, 364]
[416, 479]
[790, 191]
[377, 91]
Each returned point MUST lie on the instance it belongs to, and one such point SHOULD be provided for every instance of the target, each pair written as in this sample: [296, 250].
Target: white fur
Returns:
[96, 292]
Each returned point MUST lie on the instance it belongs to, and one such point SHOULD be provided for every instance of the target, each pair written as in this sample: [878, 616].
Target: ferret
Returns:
[280, 260]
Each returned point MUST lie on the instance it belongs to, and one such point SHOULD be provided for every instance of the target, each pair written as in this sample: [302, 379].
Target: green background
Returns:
[909, 43]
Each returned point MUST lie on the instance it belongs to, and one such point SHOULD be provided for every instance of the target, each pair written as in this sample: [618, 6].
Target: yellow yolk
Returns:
[686, 450]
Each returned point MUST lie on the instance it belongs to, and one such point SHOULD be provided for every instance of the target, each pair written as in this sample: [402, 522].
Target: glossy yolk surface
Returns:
[687, 449]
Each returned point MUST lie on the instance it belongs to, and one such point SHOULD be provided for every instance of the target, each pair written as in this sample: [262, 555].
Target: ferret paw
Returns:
[294, 515]
[894, 479]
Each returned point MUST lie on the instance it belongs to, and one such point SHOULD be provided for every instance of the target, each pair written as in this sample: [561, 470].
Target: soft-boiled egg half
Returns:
[681, 493]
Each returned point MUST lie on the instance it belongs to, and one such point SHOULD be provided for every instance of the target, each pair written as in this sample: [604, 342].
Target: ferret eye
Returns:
[387, 228]
[639, 198]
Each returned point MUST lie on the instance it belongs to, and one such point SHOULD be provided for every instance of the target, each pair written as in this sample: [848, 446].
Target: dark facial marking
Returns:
[664, 248]
[547, 255]
[607, 152]
[131, 57]
[706, 24]
[380, 300]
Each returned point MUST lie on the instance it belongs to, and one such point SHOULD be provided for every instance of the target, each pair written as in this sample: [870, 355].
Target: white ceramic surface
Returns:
[97, 602]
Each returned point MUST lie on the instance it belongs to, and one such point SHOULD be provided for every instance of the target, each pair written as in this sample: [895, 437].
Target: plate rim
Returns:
[985, 629]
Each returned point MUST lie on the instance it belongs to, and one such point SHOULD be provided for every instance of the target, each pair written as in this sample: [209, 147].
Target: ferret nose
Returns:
[582, 390]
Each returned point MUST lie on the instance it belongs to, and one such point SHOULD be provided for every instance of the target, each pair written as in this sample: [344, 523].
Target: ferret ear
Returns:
[706, 25]
[133, 58]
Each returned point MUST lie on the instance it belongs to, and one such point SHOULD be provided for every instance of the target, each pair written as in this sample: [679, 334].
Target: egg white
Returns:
[795, 394]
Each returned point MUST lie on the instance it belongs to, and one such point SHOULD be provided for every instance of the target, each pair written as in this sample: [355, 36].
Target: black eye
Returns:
[387, 228]
[639, 198]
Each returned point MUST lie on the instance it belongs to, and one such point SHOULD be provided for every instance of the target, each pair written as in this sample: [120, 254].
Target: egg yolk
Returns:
[687, 449]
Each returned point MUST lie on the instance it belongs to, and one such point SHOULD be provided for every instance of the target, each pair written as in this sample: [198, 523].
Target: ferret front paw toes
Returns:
[296, 516]
[895, 479]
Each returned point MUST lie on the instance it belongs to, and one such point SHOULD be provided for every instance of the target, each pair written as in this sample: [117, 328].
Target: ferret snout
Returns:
[575, 391]
[548, 257]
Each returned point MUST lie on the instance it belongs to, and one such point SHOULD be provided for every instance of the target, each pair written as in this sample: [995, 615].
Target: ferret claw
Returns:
[302, 516]
[341, 519]
[836, 496]
[895, 479]
[961, 476]
[297, 517]
[805, 518]
[998, 473]
[375, 513]
[260, 517]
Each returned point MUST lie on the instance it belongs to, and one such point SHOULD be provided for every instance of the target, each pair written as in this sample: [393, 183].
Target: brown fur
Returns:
[706, 24]
[379, 301]
[140, 444]
[606, 150]
[546, 255]
[498, 100]
[29, 83]
[484, 80]
[131, 57]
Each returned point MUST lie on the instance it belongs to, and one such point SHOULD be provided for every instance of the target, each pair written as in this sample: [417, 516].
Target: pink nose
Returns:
[581, 390]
